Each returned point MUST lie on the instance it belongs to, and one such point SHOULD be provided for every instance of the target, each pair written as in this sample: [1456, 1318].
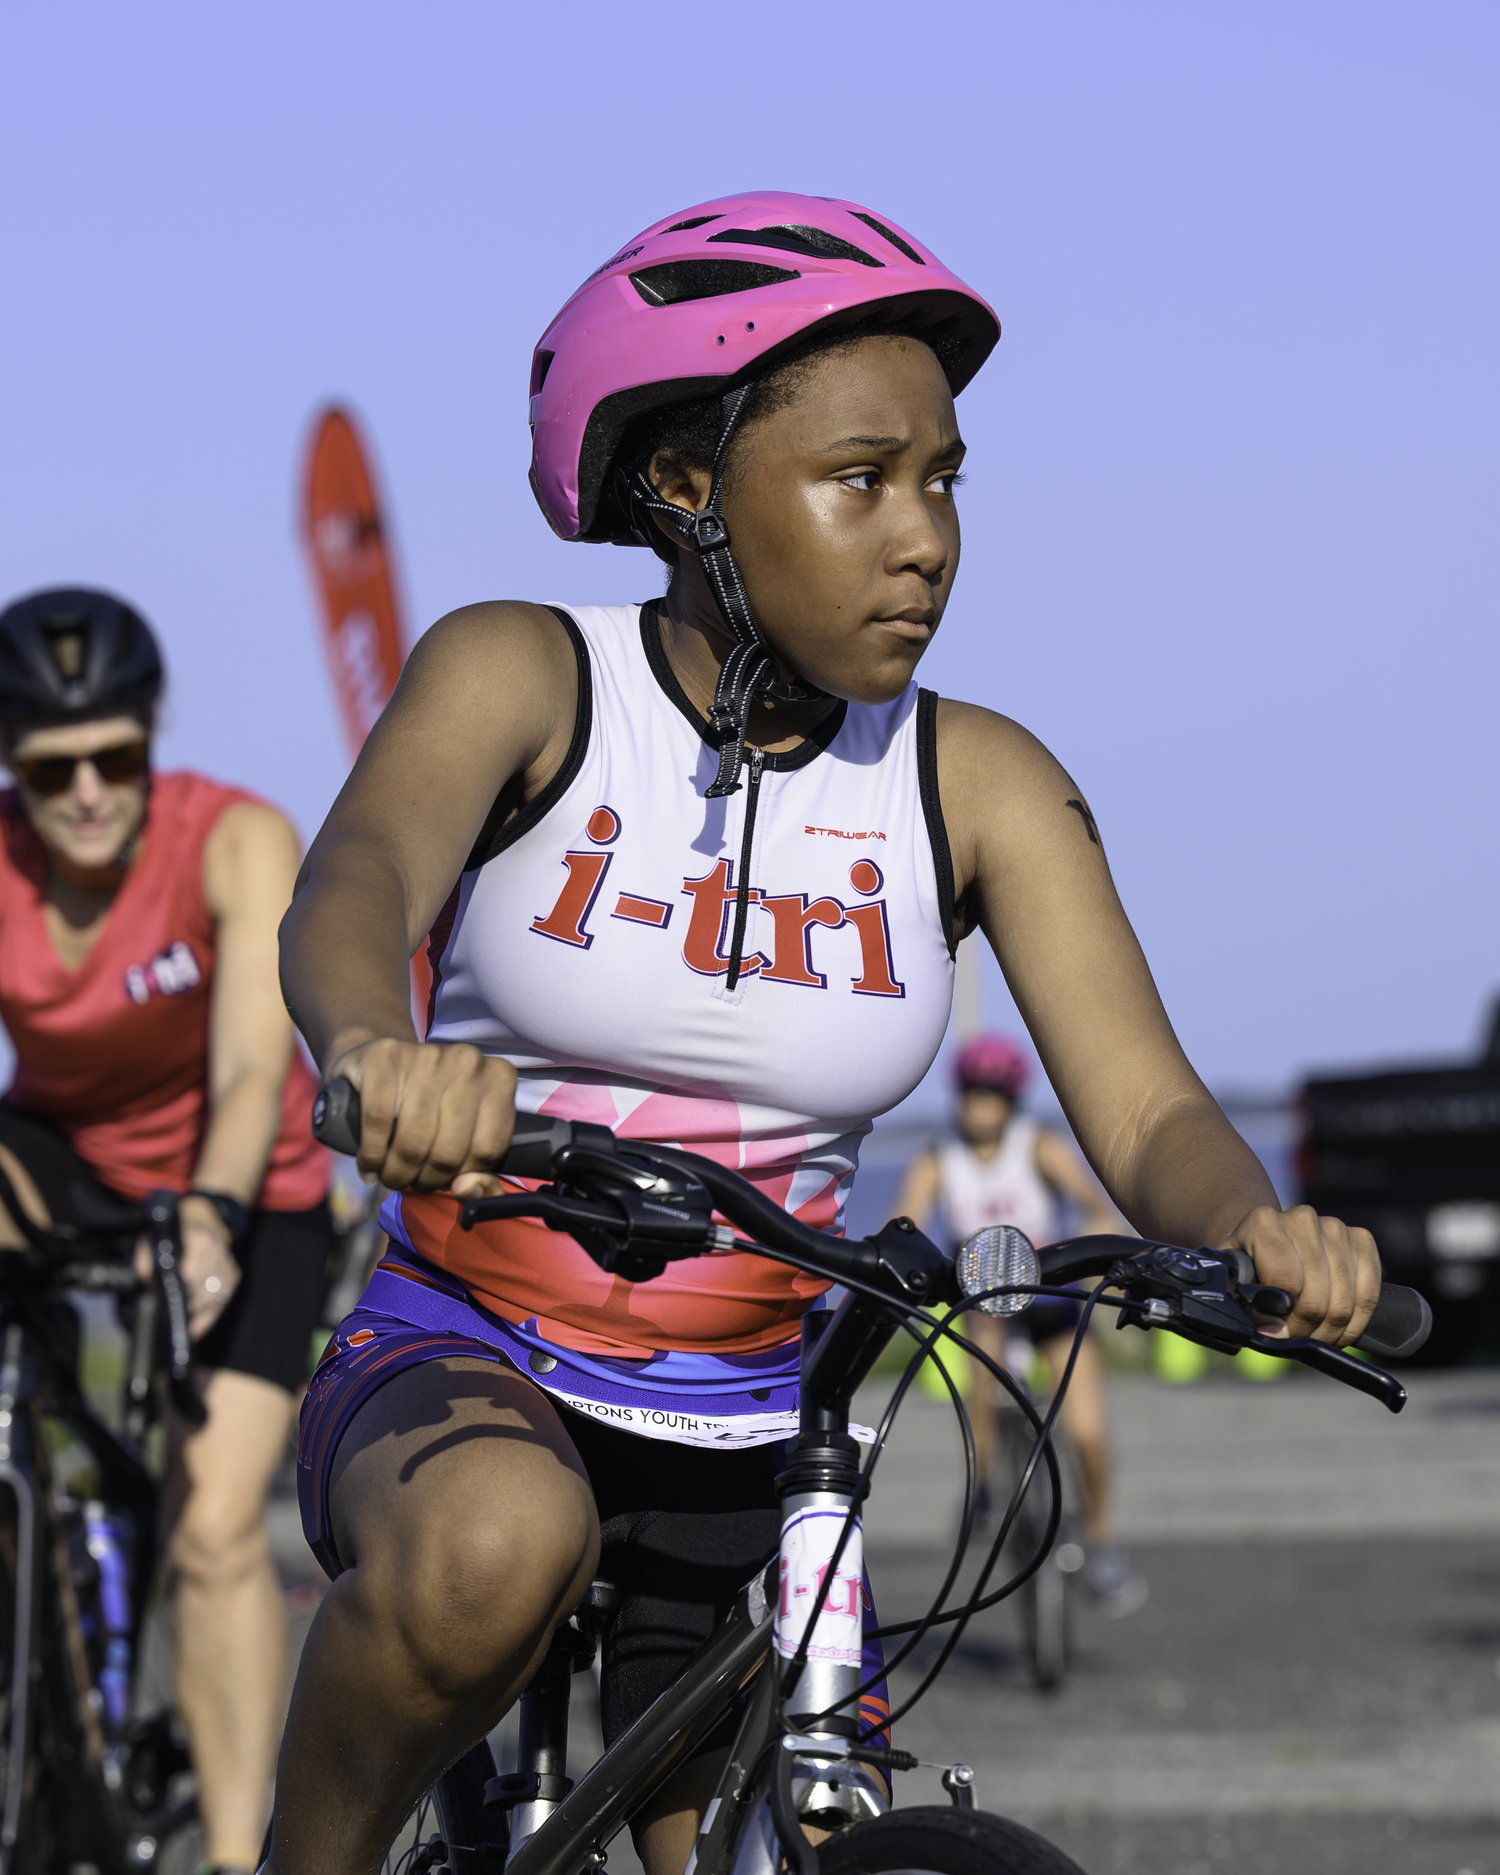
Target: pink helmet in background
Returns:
[704, 299]
[992, 1062]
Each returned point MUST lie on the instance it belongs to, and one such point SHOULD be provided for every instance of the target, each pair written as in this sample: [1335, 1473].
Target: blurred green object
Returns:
[1254, 1365]
[953, 1361]
[1176, 1360]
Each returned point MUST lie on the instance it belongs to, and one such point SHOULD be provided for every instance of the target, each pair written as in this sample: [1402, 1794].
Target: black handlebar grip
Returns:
[335, 1116]
[537, 1136]
[1401, 1323]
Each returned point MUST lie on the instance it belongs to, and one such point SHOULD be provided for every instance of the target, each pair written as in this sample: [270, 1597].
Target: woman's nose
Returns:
[88, 785]
[918, 543]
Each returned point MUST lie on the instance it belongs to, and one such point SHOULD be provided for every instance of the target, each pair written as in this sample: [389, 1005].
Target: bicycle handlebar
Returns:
[635, 1206]
[1399, 1323]
[43, 1267]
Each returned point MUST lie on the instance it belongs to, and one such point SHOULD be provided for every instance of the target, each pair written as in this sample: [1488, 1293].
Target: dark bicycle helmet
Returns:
[74, 652]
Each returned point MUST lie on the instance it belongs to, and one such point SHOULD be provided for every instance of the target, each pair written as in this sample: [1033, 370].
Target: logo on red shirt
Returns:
[169, 974]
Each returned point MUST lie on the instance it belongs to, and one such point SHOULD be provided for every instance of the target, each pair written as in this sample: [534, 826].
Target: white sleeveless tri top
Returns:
[1007, 1189]
[591, 940]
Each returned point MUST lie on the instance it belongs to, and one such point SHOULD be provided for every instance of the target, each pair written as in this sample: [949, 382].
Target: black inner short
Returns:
[684, 1529]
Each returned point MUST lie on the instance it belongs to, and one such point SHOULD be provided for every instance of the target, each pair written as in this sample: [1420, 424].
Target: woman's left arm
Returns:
[1028, 859]
[250, 863]
[1070, 1178]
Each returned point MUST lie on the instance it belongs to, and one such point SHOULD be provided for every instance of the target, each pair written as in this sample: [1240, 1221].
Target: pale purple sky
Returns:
[1230, 526]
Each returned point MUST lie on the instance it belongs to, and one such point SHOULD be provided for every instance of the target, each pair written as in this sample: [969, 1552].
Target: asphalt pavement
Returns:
[1313, 1687]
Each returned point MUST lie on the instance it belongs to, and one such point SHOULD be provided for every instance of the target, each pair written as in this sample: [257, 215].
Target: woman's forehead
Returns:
[99, 732]
[875, 386]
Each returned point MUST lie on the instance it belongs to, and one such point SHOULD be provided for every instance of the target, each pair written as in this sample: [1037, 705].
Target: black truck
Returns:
[1413, 1154]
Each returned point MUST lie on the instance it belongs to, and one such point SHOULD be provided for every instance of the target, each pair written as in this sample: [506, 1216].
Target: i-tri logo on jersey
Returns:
[794, 918]
[169, 974]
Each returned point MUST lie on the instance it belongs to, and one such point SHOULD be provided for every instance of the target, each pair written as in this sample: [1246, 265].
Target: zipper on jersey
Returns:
[742, 890]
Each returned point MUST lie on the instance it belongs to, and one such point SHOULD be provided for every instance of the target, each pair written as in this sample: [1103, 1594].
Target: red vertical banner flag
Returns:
[344, 530]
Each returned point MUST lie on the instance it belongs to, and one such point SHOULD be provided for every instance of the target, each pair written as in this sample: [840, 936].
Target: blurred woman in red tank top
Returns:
[138, 918]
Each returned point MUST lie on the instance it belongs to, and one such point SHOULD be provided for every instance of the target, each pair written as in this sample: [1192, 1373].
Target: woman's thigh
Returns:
[455, 1491]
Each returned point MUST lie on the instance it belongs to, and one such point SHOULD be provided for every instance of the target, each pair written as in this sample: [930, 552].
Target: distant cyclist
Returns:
[1006, 1169]
[138, 917]
[695, 869]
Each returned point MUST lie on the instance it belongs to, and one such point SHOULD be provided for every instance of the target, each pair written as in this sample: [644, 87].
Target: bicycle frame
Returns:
[635, 1206]
[820, 1640]
[36, 1382]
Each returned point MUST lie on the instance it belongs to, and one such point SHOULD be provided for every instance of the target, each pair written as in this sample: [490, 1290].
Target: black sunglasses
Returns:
[47, 775]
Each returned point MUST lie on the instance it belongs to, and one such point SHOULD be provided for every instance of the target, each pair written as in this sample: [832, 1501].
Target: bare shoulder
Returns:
[1004, 794]
[489, 691]
[247, 828]
[508, 638]
[981, 749]
[253, 850]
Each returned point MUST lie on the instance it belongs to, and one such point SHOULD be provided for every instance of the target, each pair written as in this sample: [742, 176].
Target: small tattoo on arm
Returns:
[1088, 820]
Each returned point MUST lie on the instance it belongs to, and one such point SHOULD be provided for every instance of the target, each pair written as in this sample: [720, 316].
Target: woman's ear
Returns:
[677, 482]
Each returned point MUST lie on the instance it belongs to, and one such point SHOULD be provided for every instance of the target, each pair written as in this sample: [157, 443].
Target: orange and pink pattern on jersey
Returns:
[728, 1302]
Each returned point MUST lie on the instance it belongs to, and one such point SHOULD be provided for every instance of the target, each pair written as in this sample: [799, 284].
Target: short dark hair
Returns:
[689, 432]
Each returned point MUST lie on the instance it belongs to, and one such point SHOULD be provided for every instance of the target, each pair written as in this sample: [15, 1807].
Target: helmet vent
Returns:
[799, 239]
[65, 642]
[539, 370]
[678, 280]
[693, 221]
[889, 234]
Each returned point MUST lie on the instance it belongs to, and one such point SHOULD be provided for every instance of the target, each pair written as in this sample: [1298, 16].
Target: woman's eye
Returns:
[945, 484]
[865, 480]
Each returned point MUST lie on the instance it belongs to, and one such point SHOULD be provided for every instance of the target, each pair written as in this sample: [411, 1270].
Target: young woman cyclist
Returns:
[138, 916]
[696, 869]
[1005, 1169]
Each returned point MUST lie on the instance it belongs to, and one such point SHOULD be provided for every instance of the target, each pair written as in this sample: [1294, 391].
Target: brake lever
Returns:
[1365, 1376]
[629, 1233]
[556, 1211]
[1208, 1296]
[161, 1211]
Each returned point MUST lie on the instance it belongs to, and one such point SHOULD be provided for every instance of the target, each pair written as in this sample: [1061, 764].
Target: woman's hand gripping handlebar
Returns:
[636, 1207]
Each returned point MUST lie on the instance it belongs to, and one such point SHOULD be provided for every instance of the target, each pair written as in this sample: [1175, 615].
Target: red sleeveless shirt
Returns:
[115, 1053]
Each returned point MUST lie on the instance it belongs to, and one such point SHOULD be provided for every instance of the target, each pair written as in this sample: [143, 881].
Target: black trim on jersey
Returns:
[809, 749]
[932, 812]
[509, 818]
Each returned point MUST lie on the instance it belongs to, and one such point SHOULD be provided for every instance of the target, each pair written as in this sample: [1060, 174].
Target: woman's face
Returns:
[983, 1115]
[89, 820]
[842, 518]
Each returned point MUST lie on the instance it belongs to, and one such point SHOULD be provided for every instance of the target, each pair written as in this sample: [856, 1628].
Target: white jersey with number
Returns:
[589, 942]
[1004, 1189]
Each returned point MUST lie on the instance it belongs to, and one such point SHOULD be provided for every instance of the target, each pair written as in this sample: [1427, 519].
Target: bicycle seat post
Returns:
[540, 1781]
[543, 1755]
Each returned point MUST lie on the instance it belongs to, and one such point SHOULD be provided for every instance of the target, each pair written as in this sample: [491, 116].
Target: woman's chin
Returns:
[87, 853]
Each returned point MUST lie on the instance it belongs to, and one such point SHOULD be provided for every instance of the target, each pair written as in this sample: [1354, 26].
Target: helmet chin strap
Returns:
[750, 673]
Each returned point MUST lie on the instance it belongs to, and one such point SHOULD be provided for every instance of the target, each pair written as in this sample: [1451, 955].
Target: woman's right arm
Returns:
[488, 695]
[921, 1188]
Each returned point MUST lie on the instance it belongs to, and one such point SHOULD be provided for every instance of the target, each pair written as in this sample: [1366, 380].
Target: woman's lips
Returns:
[916, 626]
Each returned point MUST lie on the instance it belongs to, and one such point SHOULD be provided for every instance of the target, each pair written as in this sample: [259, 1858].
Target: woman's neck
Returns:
[81, 895]
[695, 642]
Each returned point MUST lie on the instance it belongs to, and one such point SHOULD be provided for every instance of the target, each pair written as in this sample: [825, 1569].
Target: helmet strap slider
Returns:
[707, 531]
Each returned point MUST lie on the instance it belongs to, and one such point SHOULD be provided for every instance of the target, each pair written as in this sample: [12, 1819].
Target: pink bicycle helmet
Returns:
[702, 303]
[992, 1062]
